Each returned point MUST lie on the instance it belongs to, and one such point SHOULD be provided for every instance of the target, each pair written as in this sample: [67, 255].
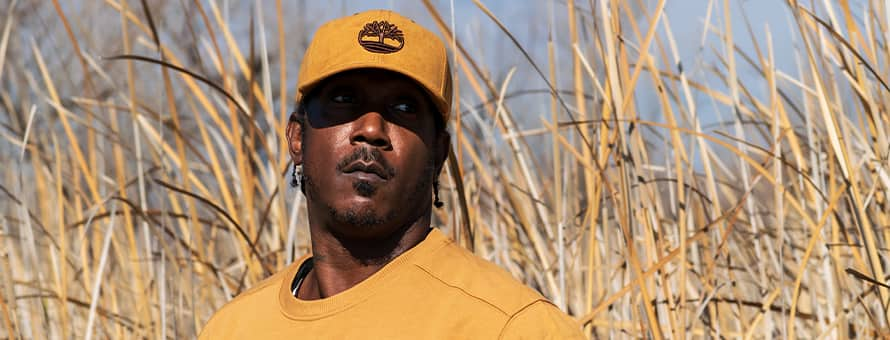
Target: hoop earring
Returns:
[436, 202]
[296, 174]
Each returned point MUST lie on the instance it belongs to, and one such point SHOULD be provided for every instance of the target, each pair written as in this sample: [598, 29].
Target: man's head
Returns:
[369, 129]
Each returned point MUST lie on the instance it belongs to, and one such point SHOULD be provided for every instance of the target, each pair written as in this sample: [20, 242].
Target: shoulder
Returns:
[526, 312]
[478, 279]
[243, 307]
[541, 320]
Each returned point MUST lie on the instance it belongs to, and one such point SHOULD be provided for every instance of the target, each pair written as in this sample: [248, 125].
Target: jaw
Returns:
[371, 229]
[359, 215]
[365, 206]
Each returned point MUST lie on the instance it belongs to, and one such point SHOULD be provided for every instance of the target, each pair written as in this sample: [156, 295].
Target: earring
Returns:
[296, 174]
[436, 202]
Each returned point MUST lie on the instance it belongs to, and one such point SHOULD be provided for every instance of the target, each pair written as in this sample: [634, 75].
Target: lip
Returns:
[364, 176]
[371, 171]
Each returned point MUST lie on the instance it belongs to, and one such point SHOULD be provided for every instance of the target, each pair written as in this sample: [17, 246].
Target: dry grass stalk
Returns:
[142, 192]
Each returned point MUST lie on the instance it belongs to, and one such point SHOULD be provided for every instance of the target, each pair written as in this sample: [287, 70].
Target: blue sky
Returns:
[531, 21]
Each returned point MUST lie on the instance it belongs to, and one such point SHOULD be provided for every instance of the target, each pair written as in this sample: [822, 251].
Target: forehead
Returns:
[372, 79]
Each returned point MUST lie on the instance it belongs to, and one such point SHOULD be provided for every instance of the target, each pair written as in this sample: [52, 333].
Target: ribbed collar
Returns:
[298, 309]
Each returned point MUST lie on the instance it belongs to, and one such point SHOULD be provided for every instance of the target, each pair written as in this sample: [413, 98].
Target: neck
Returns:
[341, 262]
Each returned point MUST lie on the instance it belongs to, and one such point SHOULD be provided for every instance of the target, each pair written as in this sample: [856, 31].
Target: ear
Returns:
[294, 135]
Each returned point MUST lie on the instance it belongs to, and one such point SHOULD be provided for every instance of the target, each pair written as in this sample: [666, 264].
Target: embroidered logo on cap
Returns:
[381, 37]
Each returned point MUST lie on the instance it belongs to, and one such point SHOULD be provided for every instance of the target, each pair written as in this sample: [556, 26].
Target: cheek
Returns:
[321, 150]
[413, 153]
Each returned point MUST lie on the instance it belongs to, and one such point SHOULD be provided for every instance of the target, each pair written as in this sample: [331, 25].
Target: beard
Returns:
[367, 219]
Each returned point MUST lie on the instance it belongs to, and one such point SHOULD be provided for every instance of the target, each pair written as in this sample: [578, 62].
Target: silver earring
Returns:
[296, 174]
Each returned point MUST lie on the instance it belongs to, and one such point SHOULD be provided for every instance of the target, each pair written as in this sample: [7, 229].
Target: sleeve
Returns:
[541, 320]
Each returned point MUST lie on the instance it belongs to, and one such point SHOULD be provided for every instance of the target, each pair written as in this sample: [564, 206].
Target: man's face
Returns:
[370, 151]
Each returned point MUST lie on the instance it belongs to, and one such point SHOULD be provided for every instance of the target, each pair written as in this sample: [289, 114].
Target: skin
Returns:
[370, 150]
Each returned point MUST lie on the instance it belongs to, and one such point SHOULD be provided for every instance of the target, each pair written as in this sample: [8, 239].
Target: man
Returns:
[369, 133]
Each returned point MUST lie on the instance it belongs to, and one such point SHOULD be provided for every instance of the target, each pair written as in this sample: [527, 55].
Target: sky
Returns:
[533, 23]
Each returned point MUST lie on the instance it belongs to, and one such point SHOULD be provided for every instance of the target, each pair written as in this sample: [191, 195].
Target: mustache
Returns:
[367, 155]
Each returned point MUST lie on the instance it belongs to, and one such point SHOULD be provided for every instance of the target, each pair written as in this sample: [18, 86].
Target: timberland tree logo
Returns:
[381, 37]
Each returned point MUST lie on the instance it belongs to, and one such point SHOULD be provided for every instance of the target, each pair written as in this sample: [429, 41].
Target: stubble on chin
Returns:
[361, 218]
[366, 218]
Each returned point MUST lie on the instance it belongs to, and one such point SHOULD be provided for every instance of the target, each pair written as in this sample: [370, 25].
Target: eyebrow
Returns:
[409, 90]
[339, 86]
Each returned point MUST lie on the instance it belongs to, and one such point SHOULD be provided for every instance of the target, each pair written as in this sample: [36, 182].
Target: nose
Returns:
[371, 128]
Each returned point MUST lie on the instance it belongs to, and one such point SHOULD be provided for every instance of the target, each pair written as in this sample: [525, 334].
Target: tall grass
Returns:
[144, 171]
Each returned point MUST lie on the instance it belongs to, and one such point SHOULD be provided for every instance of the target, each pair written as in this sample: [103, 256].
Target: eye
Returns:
[404, 107]
[341, 94]
[343, 98]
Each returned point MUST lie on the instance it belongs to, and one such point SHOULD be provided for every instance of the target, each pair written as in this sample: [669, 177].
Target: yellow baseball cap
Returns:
[378, 39]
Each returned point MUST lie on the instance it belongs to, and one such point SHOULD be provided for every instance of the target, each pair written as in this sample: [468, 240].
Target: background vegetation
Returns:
[649, 190]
